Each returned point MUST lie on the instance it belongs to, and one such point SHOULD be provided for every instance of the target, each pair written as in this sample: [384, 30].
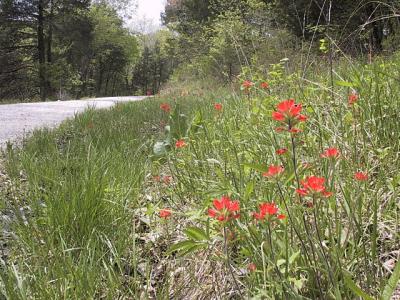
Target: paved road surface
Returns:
[16, 120]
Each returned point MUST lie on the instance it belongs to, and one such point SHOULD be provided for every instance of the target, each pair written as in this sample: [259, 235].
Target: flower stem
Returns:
[229, 264]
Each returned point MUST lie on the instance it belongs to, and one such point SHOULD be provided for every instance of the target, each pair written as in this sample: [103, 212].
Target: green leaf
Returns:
[194, 248]
[180, 246]
[257, 167]
[196, 234]
[392, 283]
[345, 83]
[290, 178]
[354, 287]
[178, 123]
[280, 262]
[197, 123]
[293, 257]
[249, 190]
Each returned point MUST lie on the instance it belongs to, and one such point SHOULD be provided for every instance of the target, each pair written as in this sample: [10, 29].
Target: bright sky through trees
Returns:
[151, 10]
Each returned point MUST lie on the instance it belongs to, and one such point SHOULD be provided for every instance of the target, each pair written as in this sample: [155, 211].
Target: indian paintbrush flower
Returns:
[281, 151]
[224, 209]
[313, 185]
[361, 176]
[353, 97]
[165, 107]
[180, 144]
[218, 106]
[330, 153]
[273, 171]
[165, 213]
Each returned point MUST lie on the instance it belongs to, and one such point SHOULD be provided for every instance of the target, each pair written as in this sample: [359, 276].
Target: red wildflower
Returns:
[313, 184]
[330, 152]
[180, 144]
[269, 209]
[167, 179]
[302, 192]
[289, 111]
[278, 116]
[302, 118]
[280, 129]
[281, 217]
[264, 85]
[294, 130]
[252, 267]
[281, 151]
[165, 213]
[156, 178]
[353, 97]
[165, 107]
[218, 106]
[327, 194]
[225, 209]
[247, 84]
[361, 176]
[273, 170]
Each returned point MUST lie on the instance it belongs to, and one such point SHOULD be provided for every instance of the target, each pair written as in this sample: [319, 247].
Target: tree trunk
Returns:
[49, 44]
[100, 79]
[41, 50]
[50, 33]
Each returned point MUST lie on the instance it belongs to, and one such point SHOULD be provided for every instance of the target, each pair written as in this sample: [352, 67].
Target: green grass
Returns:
[90, 227]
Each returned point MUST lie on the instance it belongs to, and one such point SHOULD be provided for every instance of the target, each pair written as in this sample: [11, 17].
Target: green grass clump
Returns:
[91, 194]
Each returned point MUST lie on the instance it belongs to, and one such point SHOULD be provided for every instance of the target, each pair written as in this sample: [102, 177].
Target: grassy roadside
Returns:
[91, 191]
[74, 193]
[79, 189]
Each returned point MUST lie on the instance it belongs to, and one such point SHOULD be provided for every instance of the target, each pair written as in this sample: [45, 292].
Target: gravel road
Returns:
[17, 120]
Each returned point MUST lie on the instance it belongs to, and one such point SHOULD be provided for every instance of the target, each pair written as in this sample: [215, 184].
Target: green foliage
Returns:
[80, 50]
[91, 188]
[392, 283]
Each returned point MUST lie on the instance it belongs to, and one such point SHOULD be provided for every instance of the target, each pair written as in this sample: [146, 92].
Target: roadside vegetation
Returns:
[266, 168]
[200, 194]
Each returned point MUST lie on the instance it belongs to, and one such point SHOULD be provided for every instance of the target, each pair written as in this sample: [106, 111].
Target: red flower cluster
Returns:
[218, 106]
[361, 176]
[288, 112]
[180, 144]
[273, 171]
[247, 84]
[352, 98]
[264, 85]
[268, 209]
[330, 153]
[252, 267]
[166, 179]
[165, 107]
[225, 209]
[165, 213]
[313, 185]
[281, 151]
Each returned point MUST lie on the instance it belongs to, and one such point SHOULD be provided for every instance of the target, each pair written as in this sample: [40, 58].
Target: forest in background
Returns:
[63, 49]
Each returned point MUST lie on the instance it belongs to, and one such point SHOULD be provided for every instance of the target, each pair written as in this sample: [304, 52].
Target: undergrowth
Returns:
[216, 193]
